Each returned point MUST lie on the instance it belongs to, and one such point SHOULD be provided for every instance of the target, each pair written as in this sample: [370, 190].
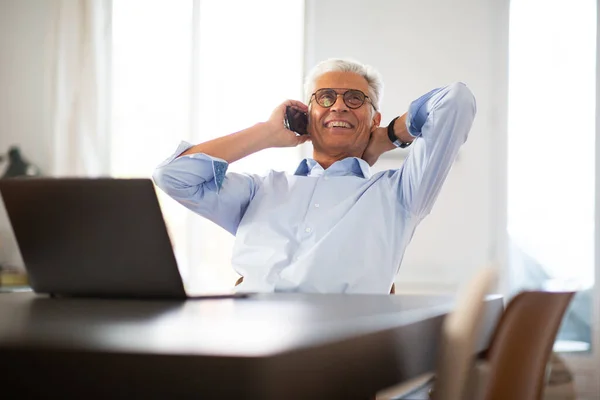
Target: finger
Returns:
[303, 138]
[298, 104]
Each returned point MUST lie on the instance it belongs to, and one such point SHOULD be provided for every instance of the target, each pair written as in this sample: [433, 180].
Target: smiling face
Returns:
[339, 131]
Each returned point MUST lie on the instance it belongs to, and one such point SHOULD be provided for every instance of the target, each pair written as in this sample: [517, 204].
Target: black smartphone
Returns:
[296, 120]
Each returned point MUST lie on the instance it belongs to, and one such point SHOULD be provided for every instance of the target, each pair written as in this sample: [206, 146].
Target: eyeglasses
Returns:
[353, 98]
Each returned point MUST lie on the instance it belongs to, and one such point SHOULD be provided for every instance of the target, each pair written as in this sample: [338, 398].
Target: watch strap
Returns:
[392, 136]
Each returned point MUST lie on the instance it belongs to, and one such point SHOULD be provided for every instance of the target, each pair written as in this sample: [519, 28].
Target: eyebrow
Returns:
[336, 89]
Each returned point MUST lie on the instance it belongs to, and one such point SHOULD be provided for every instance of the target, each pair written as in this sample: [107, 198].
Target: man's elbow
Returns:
[174, 184]
[464, 99]
[166, 181]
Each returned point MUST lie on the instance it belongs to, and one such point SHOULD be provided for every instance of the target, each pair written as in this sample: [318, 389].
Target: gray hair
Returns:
[372, 76]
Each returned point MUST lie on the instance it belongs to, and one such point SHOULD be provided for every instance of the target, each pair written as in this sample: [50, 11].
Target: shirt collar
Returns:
[348, 166]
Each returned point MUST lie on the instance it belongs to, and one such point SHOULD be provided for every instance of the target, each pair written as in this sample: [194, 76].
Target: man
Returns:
[331, 226]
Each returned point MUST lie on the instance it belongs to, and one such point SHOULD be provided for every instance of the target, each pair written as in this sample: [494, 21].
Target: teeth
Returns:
[338, 124]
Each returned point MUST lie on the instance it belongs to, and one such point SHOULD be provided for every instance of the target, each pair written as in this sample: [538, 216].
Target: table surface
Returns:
[267, 346]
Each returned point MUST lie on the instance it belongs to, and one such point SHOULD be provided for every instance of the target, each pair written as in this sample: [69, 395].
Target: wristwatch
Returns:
[393, 138]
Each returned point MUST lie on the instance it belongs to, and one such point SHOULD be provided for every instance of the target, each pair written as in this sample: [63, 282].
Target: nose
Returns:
[339, 105]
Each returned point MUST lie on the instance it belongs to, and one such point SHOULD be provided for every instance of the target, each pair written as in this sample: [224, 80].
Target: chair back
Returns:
[521, 345]
[460, 334]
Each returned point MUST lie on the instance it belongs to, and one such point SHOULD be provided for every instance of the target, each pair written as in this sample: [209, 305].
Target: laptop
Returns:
[95, 237]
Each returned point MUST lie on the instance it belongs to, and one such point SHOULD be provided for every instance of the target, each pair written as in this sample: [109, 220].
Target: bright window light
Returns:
[194, 70]
[551, 160]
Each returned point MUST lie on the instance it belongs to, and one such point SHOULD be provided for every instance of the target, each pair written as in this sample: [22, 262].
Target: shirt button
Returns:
[317, 205]
[308, 230]
[326, 178]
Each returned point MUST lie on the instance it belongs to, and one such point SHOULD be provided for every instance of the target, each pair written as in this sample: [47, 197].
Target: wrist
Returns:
[398, 132]
[260, 136]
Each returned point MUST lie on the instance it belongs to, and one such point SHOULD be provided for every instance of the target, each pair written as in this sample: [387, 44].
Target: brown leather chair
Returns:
[514, 366]
[392, 290]
[520, 349]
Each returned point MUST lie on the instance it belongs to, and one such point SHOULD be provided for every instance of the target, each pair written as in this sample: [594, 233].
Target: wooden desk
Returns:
[269, 346]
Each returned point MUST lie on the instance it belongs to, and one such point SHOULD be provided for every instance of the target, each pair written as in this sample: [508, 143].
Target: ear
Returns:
[376, 121]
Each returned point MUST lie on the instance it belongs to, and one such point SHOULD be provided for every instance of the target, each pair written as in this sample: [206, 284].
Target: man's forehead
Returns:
[342, 80]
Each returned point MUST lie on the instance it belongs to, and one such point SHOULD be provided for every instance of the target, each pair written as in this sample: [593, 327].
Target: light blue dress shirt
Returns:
[339, 230]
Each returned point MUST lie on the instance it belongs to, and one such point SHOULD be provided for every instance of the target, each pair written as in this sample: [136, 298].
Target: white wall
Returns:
[419, 45]
[24, 29]
[24, 117]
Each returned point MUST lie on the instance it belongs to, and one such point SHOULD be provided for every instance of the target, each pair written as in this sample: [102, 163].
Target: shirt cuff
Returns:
[183, 146]
[219, 166]
[418, 113]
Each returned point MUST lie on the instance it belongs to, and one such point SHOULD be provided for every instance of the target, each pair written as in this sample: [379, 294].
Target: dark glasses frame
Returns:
[345, 95]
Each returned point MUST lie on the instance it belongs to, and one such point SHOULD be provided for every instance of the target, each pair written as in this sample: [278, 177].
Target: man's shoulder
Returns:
[269, 175]
[385, 173]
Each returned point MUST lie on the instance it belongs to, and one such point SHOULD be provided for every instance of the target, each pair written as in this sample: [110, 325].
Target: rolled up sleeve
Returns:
[201, 183]
[440, 120]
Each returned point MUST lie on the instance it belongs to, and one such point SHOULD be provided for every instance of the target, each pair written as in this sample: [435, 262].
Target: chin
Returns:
[338, 141]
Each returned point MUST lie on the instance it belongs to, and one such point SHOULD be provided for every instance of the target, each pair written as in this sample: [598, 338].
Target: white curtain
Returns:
[205, 73]
[80, 88]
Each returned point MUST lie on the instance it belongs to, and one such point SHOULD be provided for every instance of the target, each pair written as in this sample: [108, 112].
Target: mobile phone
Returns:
[296, 120]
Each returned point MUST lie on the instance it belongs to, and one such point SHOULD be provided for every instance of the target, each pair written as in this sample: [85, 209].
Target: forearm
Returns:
[236, 145]
[441, 120]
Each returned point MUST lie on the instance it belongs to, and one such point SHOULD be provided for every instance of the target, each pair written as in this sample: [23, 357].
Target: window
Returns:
[193, 70]
[551, 160]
